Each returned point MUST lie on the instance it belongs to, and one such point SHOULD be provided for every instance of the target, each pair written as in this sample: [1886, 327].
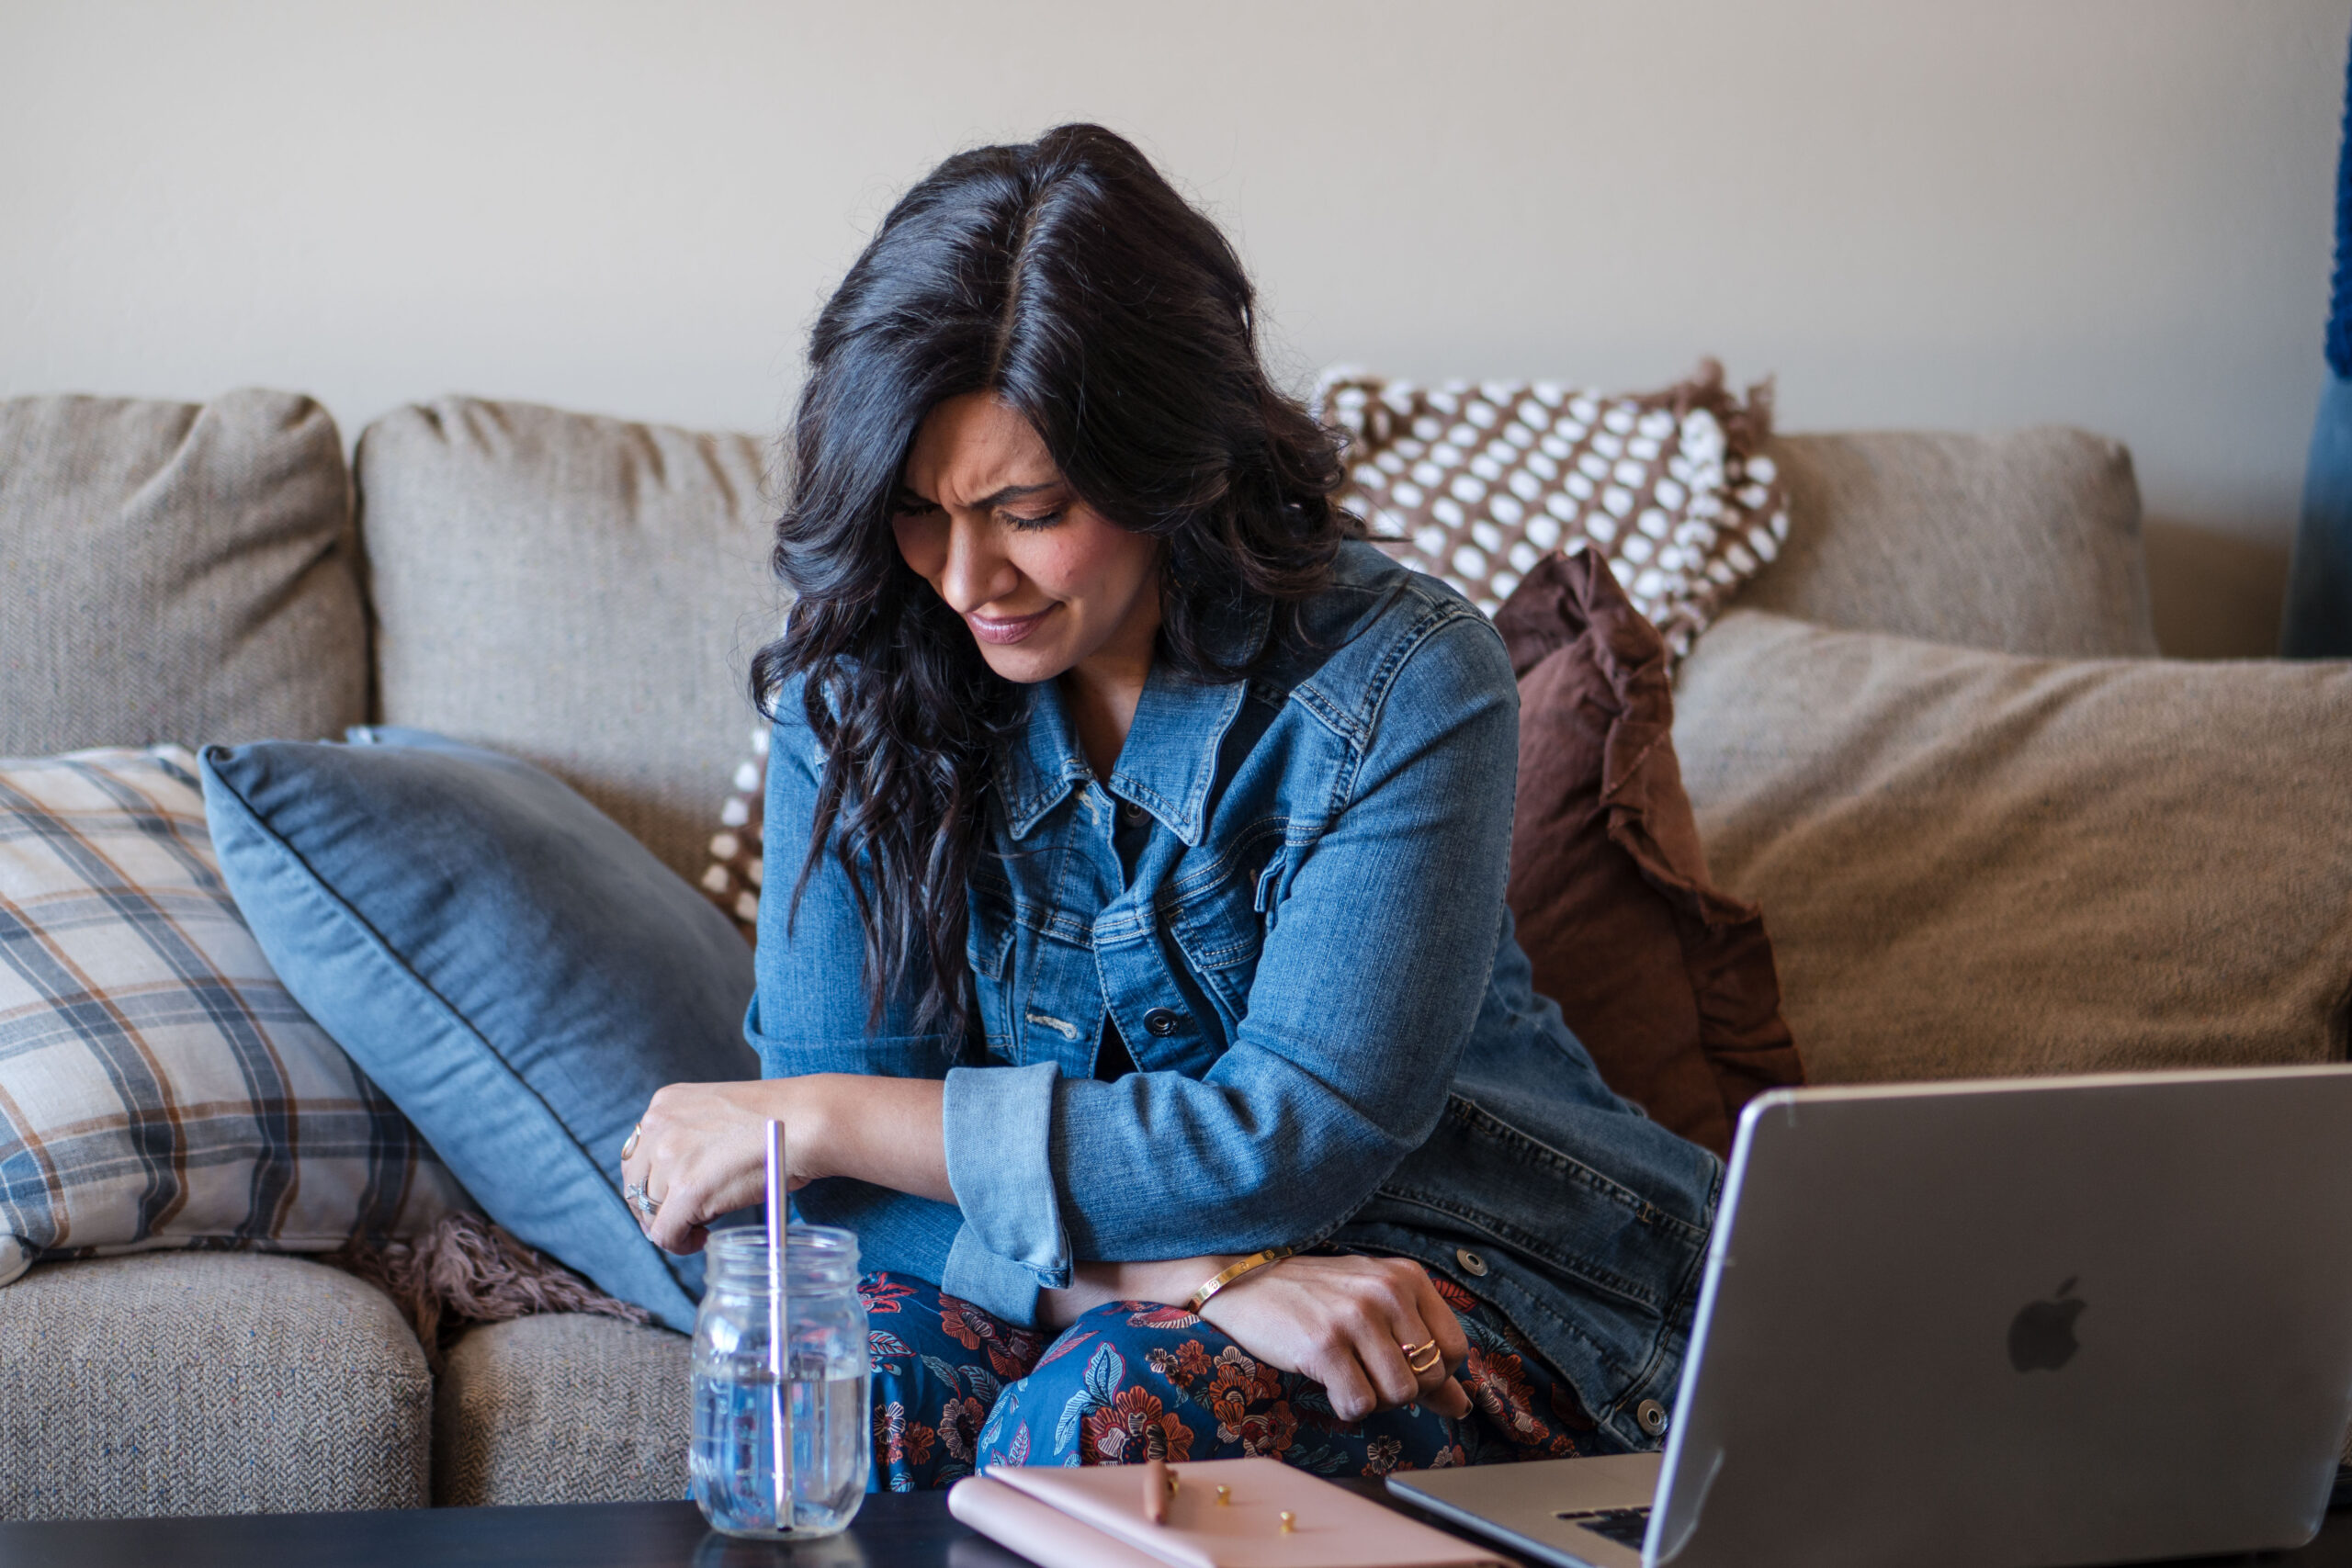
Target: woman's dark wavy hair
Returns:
[1070, 281]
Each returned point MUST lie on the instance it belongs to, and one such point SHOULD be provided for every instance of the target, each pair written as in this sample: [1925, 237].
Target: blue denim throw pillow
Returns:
[512, 967]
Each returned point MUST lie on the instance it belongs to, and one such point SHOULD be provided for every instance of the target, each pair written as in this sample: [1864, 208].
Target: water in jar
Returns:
[732, 1463]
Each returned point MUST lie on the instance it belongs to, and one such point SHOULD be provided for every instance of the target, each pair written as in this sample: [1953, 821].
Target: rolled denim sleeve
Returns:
[1368, 983]
[998, 1122]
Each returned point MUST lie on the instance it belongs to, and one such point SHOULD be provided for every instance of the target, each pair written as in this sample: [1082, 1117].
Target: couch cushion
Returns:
[207, 1383]
[1982, 864]
[2026, 542]
[562, 1408]
[579, 592]
[170, 572]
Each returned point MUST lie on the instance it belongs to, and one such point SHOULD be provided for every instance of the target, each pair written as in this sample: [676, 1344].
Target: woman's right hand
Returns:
[1347, 1321]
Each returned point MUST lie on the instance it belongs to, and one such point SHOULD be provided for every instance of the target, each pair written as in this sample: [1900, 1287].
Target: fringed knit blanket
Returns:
[466, 1270]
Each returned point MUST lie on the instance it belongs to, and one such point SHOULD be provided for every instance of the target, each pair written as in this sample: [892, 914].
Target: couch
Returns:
[1991, 830]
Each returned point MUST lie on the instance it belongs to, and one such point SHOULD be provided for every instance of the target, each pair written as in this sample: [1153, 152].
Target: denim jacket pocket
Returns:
[1220, 937]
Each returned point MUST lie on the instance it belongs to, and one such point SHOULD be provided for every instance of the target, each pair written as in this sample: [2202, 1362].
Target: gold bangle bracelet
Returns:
[1255, 1260]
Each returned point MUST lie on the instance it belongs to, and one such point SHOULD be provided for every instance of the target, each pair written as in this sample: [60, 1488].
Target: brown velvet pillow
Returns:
[1668, 980]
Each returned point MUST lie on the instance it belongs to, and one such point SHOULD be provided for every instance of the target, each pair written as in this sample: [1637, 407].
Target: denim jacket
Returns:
[1305, 950]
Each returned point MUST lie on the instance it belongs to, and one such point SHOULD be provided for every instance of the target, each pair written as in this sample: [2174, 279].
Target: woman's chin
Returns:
[1025, 665]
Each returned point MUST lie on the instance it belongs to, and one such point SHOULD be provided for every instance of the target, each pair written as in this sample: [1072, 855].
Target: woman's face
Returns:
[1045, 583]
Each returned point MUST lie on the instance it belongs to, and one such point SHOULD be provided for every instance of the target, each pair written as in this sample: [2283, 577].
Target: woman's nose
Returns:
[977, 572]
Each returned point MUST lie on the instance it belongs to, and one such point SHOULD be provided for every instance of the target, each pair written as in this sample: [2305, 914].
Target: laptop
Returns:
[1995, 1323]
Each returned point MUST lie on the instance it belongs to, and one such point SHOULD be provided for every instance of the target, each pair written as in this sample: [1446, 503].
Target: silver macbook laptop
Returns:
[2020, 1322]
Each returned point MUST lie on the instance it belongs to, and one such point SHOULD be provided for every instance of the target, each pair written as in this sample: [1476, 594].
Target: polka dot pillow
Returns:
[1477, 483]
[732, 879]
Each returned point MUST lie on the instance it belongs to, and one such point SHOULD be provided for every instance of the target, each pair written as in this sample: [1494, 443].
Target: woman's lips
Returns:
[1007, 629]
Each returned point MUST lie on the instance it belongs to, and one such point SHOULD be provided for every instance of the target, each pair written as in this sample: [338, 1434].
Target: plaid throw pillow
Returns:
[158, 1087]
[1476, 484]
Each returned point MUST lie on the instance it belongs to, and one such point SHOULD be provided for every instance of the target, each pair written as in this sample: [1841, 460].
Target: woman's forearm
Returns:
[889, 1132]
[884, 1131]
[701, 1156]
[700, 1149]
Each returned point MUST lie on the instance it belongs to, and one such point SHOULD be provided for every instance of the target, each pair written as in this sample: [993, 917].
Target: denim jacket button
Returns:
[1472, 1264]
[1162, 1023]
[1651, 1415]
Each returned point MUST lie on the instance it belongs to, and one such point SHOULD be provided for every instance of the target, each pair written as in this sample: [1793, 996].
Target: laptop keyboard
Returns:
[1626, 1527]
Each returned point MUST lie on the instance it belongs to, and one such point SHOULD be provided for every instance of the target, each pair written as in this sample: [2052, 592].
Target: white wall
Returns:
[2112, 212]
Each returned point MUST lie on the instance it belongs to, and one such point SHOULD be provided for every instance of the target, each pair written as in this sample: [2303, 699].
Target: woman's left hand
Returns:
[701, 1150]
[1357, 1325]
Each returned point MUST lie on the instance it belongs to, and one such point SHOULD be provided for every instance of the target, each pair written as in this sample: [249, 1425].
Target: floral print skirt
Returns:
[955, 1388]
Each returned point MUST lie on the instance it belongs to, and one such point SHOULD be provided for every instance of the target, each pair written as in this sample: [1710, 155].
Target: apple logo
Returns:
[2043, 1337]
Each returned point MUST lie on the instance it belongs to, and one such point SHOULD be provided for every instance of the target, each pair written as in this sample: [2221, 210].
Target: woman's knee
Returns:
[1110, 1390]
[938, 1364]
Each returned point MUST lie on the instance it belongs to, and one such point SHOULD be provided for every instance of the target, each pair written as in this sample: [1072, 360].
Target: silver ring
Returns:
[644, 1202]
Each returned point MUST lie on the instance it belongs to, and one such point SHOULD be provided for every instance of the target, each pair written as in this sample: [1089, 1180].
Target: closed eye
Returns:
[1027, 524]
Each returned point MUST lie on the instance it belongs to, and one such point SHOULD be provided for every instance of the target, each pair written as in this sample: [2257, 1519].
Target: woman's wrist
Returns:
[1231, 1273]
[805, 1107]
[1170, 1282]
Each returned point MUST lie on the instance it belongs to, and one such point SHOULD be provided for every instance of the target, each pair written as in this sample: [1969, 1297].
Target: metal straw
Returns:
[779, 1323]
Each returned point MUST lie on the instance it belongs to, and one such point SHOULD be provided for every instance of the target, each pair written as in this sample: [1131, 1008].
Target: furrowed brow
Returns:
[990, 502]
[1009, 493]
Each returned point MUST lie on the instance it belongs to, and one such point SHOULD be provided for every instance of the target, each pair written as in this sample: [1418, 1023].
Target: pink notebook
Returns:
[1093, 1516]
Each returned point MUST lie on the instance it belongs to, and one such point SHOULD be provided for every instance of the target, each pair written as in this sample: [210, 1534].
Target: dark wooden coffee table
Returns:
[912, 1531]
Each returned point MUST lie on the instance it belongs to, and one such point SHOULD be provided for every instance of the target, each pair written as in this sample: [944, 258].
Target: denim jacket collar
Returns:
[1168, 762]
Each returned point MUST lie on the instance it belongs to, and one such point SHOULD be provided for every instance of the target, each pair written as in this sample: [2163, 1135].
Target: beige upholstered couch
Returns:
[2059, 854]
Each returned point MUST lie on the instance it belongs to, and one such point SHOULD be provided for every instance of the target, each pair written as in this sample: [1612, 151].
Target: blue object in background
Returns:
[507, 963]
[2319, 579]
[2319, 582]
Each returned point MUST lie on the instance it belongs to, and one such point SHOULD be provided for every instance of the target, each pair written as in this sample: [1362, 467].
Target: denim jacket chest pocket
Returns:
[1220, 923]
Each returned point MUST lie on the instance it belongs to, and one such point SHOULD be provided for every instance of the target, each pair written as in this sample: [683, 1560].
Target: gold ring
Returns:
[1413, 1354]
[630, 1147]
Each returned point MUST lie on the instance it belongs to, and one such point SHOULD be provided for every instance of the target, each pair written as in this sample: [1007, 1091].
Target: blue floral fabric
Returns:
[955, 1388]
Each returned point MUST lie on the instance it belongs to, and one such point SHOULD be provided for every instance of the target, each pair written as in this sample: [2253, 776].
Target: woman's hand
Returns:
[701, 1149]
[1348, 1323]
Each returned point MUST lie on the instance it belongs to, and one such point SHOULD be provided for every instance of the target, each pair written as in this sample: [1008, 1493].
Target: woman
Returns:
[1138, 839]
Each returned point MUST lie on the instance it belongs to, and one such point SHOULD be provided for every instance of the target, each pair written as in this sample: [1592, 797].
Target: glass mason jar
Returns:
[732, 1463]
